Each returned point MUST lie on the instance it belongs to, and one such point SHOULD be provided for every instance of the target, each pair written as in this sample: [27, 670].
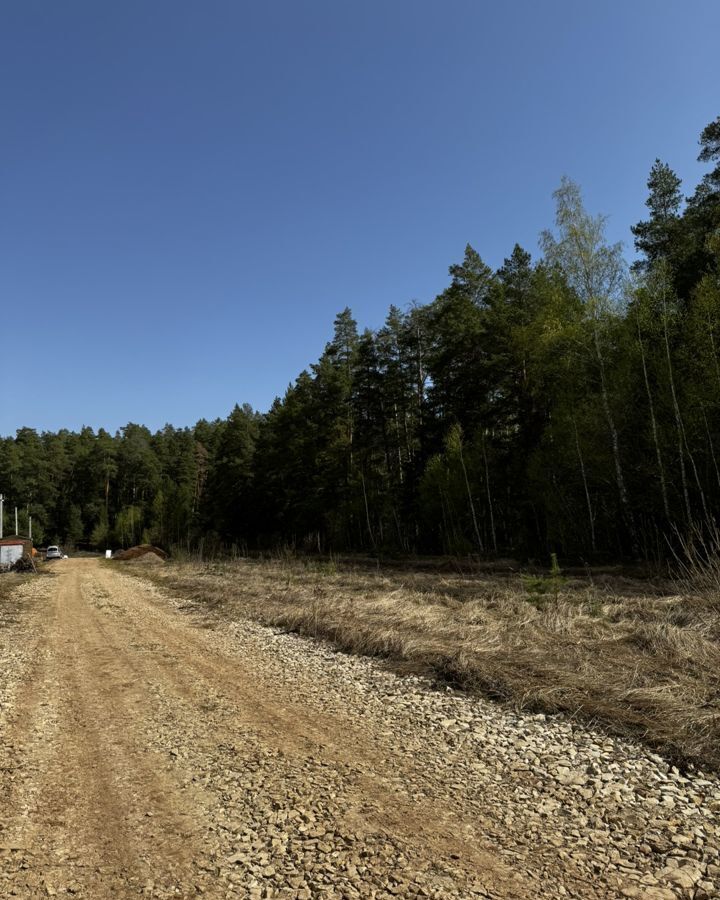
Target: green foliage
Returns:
[548, 404]
[656, 238]
[539, 587]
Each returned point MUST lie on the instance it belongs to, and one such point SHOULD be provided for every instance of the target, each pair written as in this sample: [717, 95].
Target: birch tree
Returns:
[596, 271]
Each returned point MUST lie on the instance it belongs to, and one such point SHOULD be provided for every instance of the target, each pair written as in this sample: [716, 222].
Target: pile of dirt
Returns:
[146, 560]
[142, 551]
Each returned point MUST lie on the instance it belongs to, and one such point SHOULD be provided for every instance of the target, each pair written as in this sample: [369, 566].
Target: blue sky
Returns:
[190, 191]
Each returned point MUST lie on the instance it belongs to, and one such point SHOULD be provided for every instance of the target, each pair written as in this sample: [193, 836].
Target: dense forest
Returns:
[567, 404]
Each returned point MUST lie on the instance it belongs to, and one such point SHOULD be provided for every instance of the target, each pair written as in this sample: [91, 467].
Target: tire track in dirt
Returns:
[191, 669]
[153, 756]
[94, 814]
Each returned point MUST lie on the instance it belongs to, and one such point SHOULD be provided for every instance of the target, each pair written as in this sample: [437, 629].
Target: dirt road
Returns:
[148, 751]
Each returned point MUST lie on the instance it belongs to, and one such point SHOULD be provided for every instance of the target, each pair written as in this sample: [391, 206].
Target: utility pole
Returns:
[1, 515]
[16, 523]
[30, 527]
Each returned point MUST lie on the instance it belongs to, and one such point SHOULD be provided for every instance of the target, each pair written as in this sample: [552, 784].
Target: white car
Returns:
[53, 553]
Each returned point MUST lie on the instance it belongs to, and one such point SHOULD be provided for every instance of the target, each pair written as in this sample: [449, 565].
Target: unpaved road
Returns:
[148, 751]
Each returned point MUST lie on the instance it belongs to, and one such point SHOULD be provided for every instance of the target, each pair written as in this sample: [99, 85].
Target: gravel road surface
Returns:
[147, 749]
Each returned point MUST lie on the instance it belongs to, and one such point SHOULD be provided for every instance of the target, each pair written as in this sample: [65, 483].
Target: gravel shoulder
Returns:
[147, 749]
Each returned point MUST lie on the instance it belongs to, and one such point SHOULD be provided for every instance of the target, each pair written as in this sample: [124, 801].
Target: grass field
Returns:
[634, 656]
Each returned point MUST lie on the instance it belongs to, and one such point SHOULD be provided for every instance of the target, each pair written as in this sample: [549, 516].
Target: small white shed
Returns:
[12, 549]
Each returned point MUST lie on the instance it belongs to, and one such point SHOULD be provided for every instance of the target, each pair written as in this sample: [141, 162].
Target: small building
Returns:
[12, 549]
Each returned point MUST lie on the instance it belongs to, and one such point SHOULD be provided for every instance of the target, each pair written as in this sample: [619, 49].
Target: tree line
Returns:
[567, 404]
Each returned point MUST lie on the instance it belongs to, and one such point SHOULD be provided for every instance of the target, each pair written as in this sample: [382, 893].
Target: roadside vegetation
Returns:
[8, 604]
[567, 402]
[634, 656]
[8, 582]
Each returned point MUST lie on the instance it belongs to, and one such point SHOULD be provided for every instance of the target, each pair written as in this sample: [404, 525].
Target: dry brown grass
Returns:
[8, 603]
[631, 656]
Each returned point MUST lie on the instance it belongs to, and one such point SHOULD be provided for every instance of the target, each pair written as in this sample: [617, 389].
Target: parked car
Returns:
[53, 553]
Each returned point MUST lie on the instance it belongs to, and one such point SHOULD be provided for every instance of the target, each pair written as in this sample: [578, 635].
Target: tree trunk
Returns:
[661, 470]
[591, 517]
[619, 478]
[676, 411]
[489, 496]
[367, 511]
[470, 499]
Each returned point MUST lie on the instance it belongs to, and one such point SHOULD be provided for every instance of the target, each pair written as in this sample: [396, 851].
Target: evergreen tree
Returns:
[657, 237]
[230, 479]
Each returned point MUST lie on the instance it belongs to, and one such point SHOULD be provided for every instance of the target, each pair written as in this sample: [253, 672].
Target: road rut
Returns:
[148, 751]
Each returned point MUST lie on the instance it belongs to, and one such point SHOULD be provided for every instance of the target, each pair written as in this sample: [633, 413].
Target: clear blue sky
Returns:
[190, 191]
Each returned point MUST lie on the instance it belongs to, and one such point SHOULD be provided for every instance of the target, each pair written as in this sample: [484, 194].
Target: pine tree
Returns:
[657, 238]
